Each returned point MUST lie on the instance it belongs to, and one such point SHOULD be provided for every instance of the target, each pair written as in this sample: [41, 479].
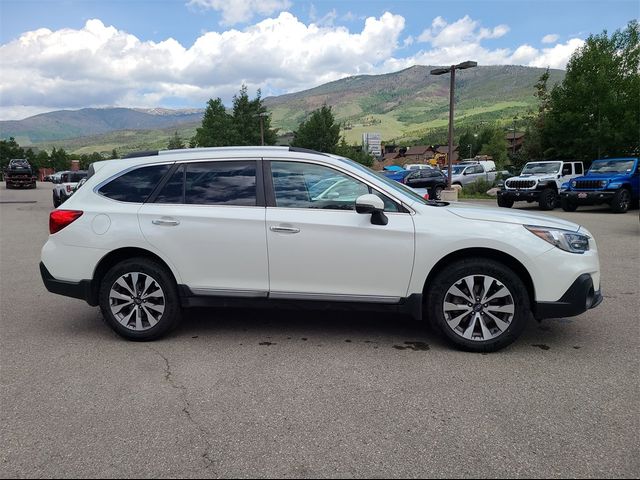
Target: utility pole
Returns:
[441, 71]
[262, 115]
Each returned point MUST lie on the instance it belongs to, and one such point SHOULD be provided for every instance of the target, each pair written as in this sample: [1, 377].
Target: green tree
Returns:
[114, 154]
[9, 149]
[595, 111]
[217, 127]
[495, 145]
[319, 132]
[246, 120]
[175, 142]
[59, 159]
[354, 152]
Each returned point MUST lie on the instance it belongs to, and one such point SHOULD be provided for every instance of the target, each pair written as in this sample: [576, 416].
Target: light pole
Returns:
[469, 151]
[261, 115]
[442, 71]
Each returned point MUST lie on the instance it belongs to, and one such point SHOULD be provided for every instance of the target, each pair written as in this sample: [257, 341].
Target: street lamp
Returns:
[442, 71]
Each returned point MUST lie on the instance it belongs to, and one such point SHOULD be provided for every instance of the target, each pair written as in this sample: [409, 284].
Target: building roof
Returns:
[418, 150]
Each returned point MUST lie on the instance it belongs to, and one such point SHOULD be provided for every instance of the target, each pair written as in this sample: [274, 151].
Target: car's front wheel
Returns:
[479, 304]
[504, 202]
[548, 199]
[139, 299]
[621, 201]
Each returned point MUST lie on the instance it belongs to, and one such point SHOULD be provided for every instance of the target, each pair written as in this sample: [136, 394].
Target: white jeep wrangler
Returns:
[539, 182]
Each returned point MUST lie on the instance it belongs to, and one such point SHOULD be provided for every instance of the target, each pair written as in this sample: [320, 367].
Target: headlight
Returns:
[603, 183]
[573, 183]
[563, 239]
[613, 185]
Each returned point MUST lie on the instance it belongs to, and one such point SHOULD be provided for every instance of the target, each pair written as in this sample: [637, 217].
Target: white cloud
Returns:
[551, 38]
[464, 30]
[237, 11]
[99, 65]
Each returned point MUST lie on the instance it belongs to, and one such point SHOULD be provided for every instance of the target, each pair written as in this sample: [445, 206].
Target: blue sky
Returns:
[179, 53]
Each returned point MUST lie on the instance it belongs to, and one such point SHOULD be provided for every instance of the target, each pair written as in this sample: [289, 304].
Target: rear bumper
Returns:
[588, 198]
[579, 298]
[519, 195]
[82, 289]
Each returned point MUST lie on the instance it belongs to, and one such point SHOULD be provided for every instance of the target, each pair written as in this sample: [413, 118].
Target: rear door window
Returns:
[136, 185]
[221, 183]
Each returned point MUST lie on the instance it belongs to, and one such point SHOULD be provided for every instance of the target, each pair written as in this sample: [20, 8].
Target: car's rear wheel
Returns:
[479, 304]
[139, 299]
[437, 192]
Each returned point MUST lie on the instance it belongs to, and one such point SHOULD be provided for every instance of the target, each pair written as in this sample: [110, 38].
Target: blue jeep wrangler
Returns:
[615, 181]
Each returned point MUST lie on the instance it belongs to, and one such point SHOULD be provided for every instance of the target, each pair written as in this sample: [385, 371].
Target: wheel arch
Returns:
[488, 253]
[116, 256]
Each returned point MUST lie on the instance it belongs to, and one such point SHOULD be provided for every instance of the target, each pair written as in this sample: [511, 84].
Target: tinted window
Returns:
[173, 190]
[221, 183]
[77, 176]
[306, 185]
[578, 168]
[135, 186]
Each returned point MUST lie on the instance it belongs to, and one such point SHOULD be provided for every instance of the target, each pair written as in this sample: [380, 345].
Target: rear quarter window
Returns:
[136, 185]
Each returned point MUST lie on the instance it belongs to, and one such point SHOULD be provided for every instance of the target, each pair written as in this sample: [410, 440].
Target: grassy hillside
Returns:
[403, 106]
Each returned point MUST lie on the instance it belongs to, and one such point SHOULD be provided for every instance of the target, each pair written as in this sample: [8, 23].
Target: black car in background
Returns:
[430, 178]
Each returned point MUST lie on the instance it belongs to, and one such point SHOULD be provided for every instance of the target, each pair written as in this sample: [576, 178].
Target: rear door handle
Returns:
[282, 229]
[166, 222]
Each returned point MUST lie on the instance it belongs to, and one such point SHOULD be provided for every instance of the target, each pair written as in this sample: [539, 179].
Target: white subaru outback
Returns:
[152, 234]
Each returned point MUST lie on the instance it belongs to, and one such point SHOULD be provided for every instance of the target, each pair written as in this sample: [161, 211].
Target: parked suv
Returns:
[615, 181]
[539, 182]
[65, 184]
[202, 227]
[467, 173]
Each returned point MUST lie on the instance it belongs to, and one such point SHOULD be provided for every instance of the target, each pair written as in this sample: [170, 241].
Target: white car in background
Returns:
[150, 235]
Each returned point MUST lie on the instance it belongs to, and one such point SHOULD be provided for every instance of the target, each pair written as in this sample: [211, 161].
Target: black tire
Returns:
[437, 192]
[568, 205]
[56, 201]
[504, 202]
[172, 313]
[621, 201]
[454, 274]
[548, 199]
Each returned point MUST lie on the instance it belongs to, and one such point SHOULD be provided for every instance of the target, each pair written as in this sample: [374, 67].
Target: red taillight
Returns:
[68, 188]
[58, 219]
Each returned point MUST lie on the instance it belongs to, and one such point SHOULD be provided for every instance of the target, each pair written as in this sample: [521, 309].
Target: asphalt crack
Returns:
[186, 409]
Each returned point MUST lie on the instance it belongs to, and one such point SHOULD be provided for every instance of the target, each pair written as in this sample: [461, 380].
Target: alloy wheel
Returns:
[478, 308]
[137, 301]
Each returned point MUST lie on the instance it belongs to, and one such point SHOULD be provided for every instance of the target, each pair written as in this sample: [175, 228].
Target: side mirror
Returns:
[372, 204]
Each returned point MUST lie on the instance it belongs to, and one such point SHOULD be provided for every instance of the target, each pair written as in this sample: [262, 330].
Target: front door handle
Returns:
[166, 222]
[282, 229]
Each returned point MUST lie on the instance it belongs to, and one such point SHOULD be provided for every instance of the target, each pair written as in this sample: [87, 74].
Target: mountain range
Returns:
[402, 106]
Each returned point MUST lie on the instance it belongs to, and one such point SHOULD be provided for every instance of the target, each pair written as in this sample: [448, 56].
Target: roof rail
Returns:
[144, 153]
[306, 150]
[219, 149]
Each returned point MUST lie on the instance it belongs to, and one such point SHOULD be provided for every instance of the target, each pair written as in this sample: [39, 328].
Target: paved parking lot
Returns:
[250, 393]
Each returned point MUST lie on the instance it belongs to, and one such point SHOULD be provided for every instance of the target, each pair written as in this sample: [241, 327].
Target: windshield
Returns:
[611, 166]
[398, 187]
[538, 168]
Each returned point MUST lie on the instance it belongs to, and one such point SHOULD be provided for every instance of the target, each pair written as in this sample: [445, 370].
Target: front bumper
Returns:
[588, 198]
[519, 195]
[579, 298]
[82, 289]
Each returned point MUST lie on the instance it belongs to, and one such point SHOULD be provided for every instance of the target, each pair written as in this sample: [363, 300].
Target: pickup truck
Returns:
[19, 174]
[65, 184]
[613, 180]
[539, 182]
[464, 174]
